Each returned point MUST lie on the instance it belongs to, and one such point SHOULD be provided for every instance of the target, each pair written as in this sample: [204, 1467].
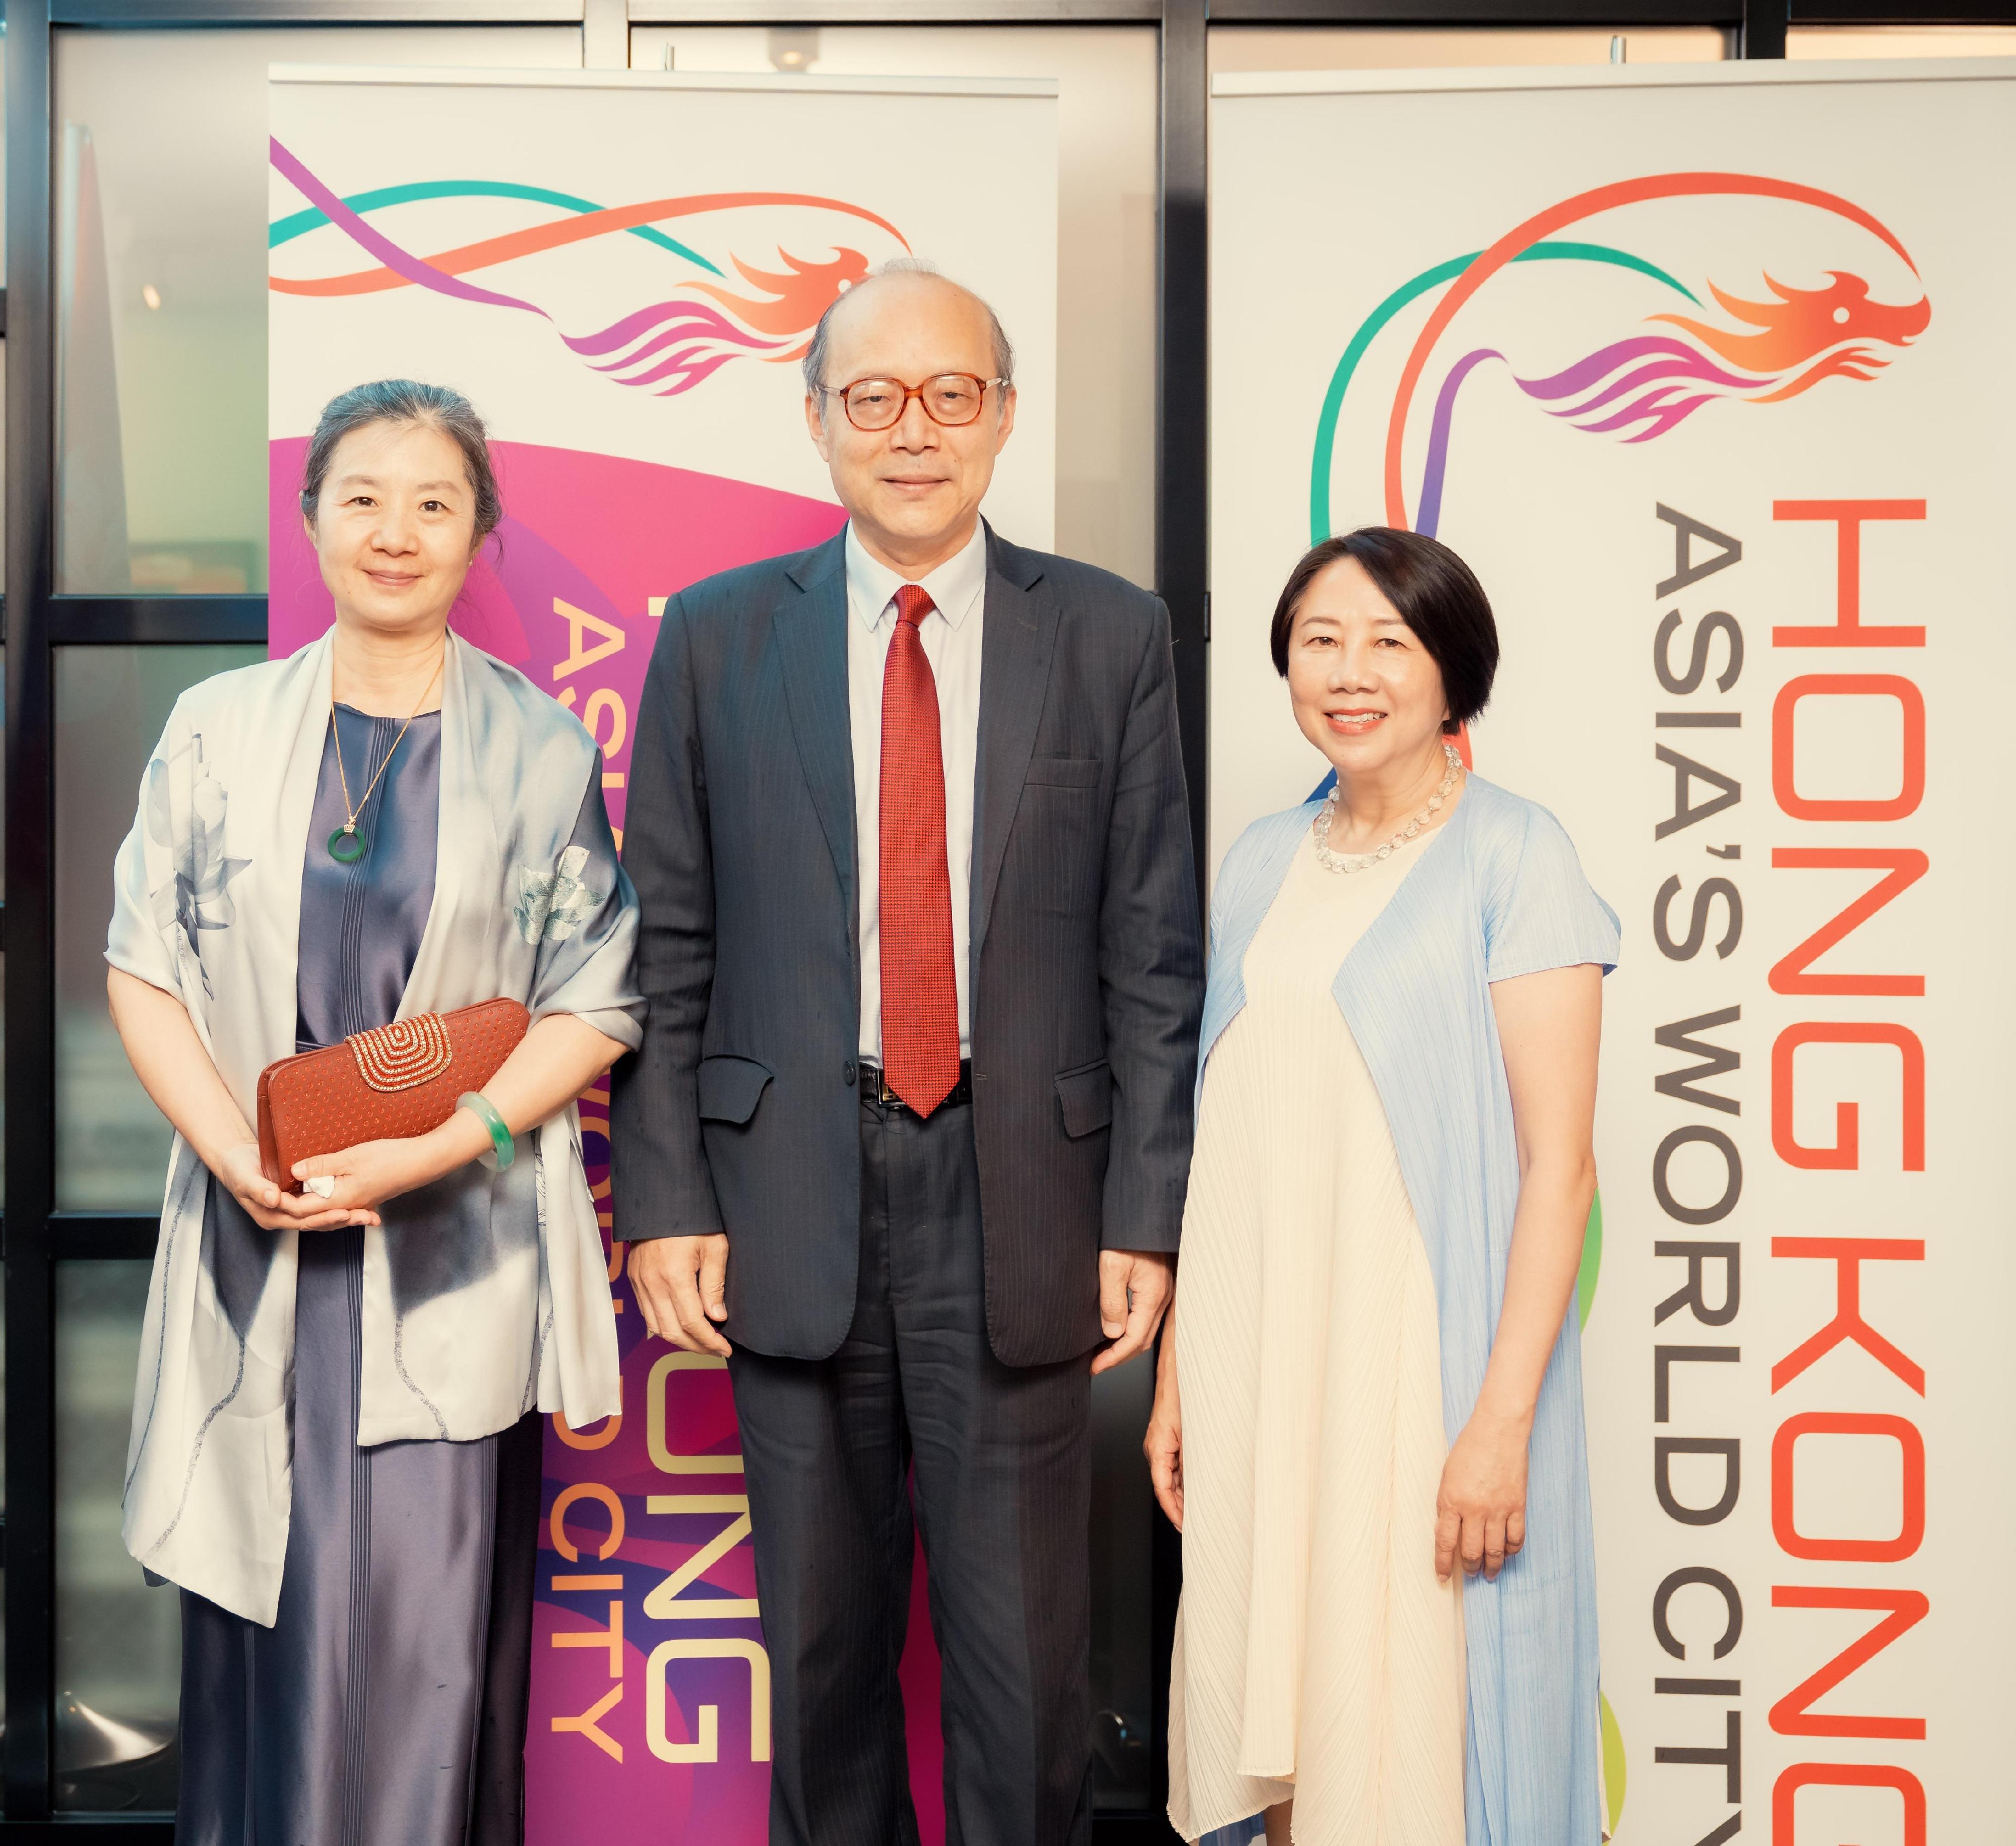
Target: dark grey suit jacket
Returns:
[740, 1113]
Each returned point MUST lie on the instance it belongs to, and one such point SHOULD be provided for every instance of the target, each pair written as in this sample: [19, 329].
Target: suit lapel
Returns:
[1016, 647]
[811, 641]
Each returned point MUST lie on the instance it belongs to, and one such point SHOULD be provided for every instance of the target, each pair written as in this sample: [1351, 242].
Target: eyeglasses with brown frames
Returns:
[952, 399]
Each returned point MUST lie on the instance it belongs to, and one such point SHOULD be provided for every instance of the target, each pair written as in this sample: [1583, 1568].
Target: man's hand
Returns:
[1134, 1291]
[679, 1282]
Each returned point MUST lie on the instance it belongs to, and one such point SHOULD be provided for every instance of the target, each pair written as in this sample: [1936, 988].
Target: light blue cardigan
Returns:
[1498, 893]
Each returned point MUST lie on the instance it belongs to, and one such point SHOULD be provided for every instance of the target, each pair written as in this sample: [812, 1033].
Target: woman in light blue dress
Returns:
[1380, 1381]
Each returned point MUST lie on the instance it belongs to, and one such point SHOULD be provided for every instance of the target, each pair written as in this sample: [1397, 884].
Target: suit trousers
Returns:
[1003, 1482]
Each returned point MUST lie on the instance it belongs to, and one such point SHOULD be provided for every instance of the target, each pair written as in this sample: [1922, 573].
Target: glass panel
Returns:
[3, 421]
[1123, 1521]
[1355, 48]
[118, 1643]
[112, 1144]
[1901, 41]
[3, 959]
[3, 1476]
[3, 158]
[160, 250]
[1106, 154]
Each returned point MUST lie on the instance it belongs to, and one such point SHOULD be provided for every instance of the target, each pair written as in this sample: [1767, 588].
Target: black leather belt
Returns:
[874, 1085]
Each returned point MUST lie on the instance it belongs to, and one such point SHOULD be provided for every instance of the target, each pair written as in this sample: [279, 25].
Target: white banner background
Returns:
[1329, 194]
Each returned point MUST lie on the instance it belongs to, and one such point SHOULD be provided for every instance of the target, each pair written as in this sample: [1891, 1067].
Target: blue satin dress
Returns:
[388, 1702]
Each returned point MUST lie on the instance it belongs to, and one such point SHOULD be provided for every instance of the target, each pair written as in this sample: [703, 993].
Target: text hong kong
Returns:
[1868, 1394]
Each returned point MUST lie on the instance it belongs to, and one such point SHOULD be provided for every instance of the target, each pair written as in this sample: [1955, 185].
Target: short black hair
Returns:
[1433, 592]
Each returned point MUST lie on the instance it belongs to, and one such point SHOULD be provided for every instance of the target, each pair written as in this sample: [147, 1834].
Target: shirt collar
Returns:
[955, 587]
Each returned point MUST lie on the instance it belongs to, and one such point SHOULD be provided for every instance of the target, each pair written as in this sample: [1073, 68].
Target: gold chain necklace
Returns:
[349, 843]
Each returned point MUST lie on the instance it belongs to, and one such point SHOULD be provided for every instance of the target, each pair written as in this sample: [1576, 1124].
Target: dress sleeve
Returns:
[148, 904]
[583, 917]
[1544, 915]
[1213, 922]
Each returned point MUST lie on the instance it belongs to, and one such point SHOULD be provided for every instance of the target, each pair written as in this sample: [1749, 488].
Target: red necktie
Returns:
[919, 991]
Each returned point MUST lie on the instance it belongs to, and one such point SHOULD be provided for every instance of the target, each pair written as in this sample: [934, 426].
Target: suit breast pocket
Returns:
[1064, 772]
[1057, 834]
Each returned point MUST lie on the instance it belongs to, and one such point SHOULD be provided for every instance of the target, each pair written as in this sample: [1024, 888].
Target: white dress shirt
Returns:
[950, 637]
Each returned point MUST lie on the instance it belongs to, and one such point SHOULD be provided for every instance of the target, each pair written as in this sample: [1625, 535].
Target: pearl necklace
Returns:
[1351, 862]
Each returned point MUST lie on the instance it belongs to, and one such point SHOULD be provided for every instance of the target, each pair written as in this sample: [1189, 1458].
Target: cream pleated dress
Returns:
[1317, 1657]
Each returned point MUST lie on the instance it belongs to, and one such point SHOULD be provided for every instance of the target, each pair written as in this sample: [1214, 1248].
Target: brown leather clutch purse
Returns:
[387, 1084]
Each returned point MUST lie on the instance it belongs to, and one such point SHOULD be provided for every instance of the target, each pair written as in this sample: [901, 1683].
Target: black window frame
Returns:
[35, 621]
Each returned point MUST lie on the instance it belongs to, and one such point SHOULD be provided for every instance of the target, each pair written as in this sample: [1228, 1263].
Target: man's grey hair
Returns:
[816, 353]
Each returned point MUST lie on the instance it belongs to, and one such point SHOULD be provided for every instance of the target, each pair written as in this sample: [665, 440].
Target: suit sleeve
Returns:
[658, 1167]
[1151, 964]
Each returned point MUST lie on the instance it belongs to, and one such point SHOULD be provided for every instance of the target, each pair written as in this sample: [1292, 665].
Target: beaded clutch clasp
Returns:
[404, 1054]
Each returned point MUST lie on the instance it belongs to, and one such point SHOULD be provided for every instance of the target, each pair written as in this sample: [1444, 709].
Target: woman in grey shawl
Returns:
[335, 1431]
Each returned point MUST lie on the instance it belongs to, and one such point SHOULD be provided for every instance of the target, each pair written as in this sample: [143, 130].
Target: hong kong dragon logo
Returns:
[704, 320]
[1686, 355]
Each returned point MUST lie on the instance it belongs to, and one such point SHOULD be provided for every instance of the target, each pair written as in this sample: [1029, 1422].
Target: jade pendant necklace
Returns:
[349, 842]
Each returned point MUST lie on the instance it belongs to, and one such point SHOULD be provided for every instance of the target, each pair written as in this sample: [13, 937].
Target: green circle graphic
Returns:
[1591, 1260]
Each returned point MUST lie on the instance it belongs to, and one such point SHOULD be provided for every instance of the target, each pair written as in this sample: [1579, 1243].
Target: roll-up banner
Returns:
[1705, 371]
[622, 271]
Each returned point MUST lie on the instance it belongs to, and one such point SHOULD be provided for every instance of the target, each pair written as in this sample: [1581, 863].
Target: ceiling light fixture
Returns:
[793, 48]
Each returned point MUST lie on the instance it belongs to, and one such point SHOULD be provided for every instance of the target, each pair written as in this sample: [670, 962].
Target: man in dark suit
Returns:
[911, 1123]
